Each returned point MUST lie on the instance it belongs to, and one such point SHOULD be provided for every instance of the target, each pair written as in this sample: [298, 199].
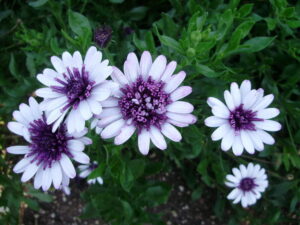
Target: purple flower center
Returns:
[47, 147]
[242, 119]
[76, 86]
[144, 102]
[247, 184]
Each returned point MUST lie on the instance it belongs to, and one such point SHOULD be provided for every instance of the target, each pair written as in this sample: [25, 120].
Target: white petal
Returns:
[38, 179]
[29, 172]
[229, 100]
[20, 118]
[78, 120]
[158, 67]
[228, 140]
[85, 173]
[169, 71]
[94, 106]
[233, 194]
[236, 94]
[67, 60]
[118, 76]
[220, 132]
[244, 201]
[211, 101]
[130, 70]
[265, 137]
[268, 113]
[178, 124]
[26, 112]
[183, 118]
[58, 64]
[113, 129]
[247, 142]
[243, 170]
[21, 165]
[134, 64]
[180, 93]
[221, 111]
[54, 115]
[264, 103]
[109, 119]
[250, 99]
[75, 145]
[18, 149]
[260, 95]
[107, 112]
[92, 58]
[171, 132]
[100, 180]
[56, 174]
[180, 107]
[35, 108]
[80, 157]
[110, 102]
[245, 88]
[157, 138]
[86, 140]
[237, 146]
[46, 80]
[214, 121]
[101, 72]
[125, 134]
[46, 179]
[238, 198]
[58, 122]
[268, 125]
[237, 173]
[67, 166]
[144, 142]
[55, 103]
[77, 60]
[100, 94]
[16, 128]
[174, 82]
[89, 54]
[257, 142]
[85, 110]
[145, 63]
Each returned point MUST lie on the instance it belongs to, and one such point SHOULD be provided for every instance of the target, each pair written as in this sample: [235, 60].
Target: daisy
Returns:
[147, 102]
[86, 170]
[248, 183]
[244, 120]
[75, 86]
[48, 155]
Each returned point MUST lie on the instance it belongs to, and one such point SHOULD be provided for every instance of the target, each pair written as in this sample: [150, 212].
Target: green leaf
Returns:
[37, 3]
[170, 42]
[137, 167]
[79, 24]
[137, 13]
[126, 178]
[12, 66]
[206, 71]
[257, 44]
[245, 10]
[157, 194]
[116, 1]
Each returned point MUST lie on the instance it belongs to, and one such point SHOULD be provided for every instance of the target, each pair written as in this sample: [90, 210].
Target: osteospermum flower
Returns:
[244, 120]
[147, 102]
[86, 170]
[248, 183]
[48, 155]
[75, 85]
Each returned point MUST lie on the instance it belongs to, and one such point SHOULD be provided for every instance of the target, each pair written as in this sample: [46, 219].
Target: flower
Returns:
[102, 36]
[86, 170]
[248, 183]
[147, 102]
[76, 86]
[65, 189]
[244, 120]
[48, 155]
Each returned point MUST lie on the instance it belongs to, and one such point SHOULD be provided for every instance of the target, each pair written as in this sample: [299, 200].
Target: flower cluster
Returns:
[145, 98]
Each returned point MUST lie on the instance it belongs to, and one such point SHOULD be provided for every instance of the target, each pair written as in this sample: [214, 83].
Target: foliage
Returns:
[216, 43]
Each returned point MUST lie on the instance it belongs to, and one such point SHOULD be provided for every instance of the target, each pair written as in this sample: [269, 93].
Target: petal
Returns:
[157, 138]
[228, 140]
[214, 121]
[171, 132]
[20, 118]
[158, 67]
[229, 100]
[211, 101]
[100, 94]
[250, 99]
[220, 132]
[80, 157]
[94, 106]
[67, 60]
[38, 179]
[67, 166]
[26, 112]
[118, 76]
[56, 174]
[110, 102]
[247, 142]
[257, 142]
[180, 93]
[174, 82]
[268, 125]
[46, 179]
[75, 145]
[85, 173]
[144, 142]
[233, 194]
[54, 115]
[180, 107]
[29, 172]
[85, 110]
[21, 165]
[236, 94]
[125, 134]
[113, 129]
[35, 108]
[245, 88]
[268, 113]
[109, 119]
[182, 118]
[265, 102]
[178, 124]
[134, 66]
[169, 71]
[16, 128]
[221, 111]
[18, 149]
[265, 137]
[131, 70]
[58, 64]
[77, 60]
[46, 80]
[145, 64]
[47, 93]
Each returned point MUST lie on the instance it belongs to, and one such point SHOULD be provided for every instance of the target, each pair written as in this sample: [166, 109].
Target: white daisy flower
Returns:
[248, 183]
[48, 155]
[244, 120]
[75, 86]
[147, 102]
[86, 170]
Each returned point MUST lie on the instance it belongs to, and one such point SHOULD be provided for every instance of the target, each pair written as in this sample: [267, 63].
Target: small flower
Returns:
[78, 87]
[244, 120]
[248, 183]
[147, 102]
[86, 170]
[102, 36]
[47, 157]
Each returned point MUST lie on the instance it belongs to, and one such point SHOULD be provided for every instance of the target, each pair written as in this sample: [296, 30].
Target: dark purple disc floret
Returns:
[76, 86]
[46, 146]
[242, 119]
[144, 102]
[247, 184]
